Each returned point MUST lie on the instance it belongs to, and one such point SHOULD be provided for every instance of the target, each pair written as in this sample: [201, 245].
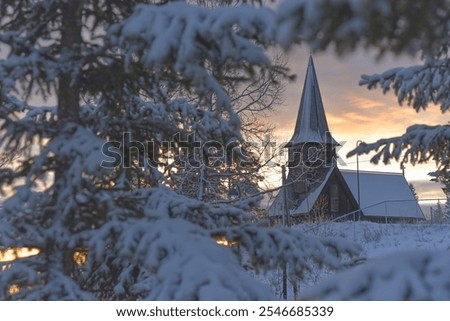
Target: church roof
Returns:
[311, 123]
[383, 194]
[306, 203]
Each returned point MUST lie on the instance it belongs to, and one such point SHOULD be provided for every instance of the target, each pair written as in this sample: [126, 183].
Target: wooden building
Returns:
[316, 189]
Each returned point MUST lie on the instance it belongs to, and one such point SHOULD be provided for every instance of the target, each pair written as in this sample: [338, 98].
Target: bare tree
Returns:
[234, 170]
[7, 158]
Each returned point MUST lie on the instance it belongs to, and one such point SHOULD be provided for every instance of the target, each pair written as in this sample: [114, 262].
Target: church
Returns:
[317, 190]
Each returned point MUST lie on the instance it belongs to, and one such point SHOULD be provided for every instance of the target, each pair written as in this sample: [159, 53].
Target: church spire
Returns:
[311, 123]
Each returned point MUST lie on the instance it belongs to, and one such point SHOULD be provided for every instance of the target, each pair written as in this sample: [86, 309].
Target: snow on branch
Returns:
[186, 39]
[58, 287]
[27, 274]
[19, 68]
[346, 24]
[417, 85]
[183, 261]
[419, 144]
[164, 203]
[271, 248]
[23, 122]
[414, 276]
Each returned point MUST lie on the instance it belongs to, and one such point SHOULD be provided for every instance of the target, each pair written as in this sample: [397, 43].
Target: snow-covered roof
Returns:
[306, 205]
[383, 194]
[276, 209]
[311, 123]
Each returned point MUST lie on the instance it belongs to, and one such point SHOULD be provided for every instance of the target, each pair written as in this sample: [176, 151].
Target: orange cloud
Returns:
[363, 103]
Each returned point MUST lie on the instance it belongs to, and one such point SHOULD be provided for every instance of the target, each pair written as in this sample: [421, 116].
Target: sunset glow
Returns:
[12, 254]
[356, 113]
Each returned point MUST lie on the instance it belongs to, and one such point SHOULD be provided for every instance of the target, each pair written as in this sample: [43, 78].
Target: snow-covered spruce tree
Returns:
[104, 69]
[399, 27]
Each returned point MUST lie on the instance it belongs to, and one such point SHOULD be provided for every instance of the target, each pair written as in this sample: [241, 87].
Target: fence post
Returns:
[354, 227]
[285, 223]
[385, 212]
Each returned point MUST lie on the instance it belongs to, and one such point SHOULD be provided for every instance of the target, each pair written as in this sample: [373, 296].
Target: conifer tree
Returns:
[104, 70]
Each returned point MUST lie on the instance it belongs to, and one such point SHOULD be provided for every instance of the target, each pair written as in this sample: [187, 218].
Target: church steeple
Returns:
[311, 126]
[314, 187]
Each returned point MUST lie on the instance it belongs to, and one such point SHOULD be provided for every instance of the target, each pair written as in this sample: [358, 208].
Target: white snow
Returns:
[416, 85]
[184, 37]
[383, 194]
[404, 262]
[415, 275]
[379, 239]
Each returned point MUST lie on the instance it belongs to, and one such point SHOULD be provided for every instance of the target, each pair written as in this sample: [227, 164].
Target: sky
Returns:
[357, 113]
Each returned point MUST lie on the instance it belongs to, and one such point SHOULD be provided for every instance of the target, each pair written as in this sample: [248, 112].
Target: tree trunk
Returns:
[68, 87]
[68, 107]
[68, 90]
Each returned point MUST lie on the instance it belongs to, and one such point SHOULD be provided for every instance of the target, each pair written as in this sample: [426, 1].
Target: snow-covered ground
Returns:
[381, 239]
[377, 241]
